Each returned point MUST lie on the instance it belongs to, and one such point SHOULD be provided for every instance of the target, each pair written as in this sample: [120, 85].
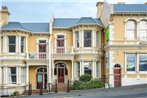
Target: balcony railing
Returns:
[63, 50]
[39, 55]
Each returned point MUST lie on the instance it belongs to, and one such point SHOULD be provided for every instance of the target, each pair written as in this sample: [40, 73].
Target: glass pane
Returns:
[13, 79]
[13, 70]
[87, 38]
[131, 62]
[39, 78]
[143, 62]
[12, 39]
[88, 68]
[77, 38]
[12, 48]
[42, 41]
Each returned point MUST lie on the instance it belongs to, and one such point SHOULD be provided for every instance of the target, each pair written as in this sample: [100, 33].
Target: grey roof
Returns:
[29, 27]
[36, 27]
[14, 26]
[127, 8]
[70, 22]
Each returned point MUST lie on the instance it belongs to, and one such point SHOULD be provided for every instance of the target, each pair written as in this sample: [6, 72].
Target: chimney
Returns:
[99, 8]
[121, 2]
[4, 15]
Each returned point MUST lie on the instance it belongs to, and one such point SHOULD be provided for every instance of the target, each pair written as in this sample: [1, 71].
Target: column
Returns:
[80, 67]
[17, 74]
[93, 38]
[17, 44]
[1, 75]
[99, 64]
[74, 39]
[5, 75]
[72, 77]
[26, 47]
[5, 44]
[137, 65]
[82, 38]
[27, 74]
[93, 69]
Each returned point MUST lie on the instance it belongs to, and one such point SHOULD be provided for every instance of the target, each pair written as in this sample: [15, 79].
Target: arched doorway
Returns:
[41, 78]
[117, 75]
[60, 71]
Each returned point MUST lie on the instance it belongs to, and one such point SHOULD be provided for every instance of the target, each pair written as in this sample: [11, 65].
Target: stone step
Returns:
[37, 91]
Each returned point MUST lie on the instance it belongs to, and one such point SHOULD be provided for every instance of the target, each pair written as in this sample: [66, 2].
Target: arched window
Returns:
[131, 29]
[143, 29]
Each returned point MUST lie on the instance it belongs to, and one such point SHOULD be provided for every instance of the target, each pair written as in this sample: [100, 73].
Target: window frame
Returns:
[10, 44]
[87, 31]
[142, 29]
[139, 64]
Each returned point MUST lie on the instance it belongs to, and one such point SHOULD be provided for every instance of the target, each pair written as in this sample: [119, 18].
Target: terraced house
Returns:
[111, 46]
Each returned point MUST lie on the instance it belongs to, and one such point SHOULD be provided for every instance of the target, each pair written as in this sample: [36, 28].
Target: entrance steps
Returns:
[61, 87]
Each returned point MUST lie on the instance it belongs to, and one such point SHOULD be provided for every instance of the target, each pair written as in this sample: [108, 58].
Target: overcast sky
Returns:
[42, 10]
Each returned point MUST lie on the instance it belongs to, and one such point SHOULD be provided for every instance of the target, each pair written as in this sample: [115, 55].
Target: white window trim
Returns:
[37, 42]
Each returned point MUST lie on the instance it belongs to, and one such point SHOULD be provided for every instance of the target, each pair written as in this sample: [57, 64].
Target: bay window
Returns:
[1, 43]
[87, 38]
[12, 43]
[131, 62]
[143, 62]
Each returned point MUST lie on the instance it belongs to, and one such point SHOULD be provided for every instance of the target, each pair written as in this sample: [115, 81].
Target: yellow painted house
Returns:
[111, 47]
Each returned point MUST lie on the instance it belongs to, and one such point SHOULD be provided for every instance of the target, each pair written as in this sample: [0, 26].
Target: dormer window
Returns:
[87, 38]
[131, 29]
[12, 43]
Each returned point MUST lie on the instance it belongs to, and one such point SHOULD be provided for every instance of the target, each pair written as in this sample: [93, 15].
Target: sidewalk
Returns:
[98, 91]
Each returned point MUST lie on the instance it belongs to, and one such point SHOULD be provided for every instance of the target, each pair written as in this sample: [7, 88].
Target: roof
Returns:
[36, 27]
[127, 8]
[70, 22]
[14, 26]
[29, 27]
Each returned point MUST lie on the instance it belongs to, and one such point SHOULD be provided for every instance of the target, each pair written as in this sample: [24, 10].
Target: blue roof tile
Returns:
[135, 8]
[69, 22]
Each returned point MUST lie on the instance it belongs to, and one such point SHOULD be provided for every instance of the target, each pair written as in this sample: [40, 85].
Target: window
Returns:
[87, 39]
[77, 39]
[42, 46]
[131, 30]
[12, 44]
[97, 69]
[12, 75]
[143, 62]
[143, 30]
[60, 41]
[88, 68]
[78, 70]
[23, 72]
[22, 44]
[131, 62]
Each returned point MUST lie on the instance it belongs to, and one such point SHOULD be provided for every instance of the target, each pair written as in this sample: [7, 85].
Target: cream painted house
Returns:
[111, 46]
[126, 43]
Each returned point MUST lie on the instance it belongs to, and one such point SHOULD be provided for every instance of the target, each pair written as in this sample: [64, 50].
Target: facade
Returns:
[126, 43]
[111, 46]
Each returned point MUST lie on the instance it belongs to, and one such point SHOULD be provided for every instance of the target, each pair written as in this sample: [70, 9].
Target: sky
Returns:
[43, 10]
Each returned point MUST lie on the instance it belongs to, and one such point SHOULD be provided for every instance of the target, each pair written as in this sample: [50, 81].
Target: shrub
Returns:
[78, 85]
[16, 93]
[85, 78]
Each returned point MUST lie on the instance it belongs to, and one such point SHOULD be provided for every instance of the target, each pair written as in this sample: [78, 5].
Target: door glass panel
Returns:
[40, 78]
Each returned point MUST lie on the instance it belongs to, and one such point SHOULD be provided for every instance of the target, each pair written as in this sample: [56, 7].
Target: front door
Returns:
[61, 72]
[117, 77]
[41, 78]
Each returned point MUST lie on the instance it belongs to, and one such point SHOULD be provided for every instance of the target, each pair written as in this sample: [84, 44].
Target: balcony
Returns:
[63, 50]
[63, 53]
[37, 56]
